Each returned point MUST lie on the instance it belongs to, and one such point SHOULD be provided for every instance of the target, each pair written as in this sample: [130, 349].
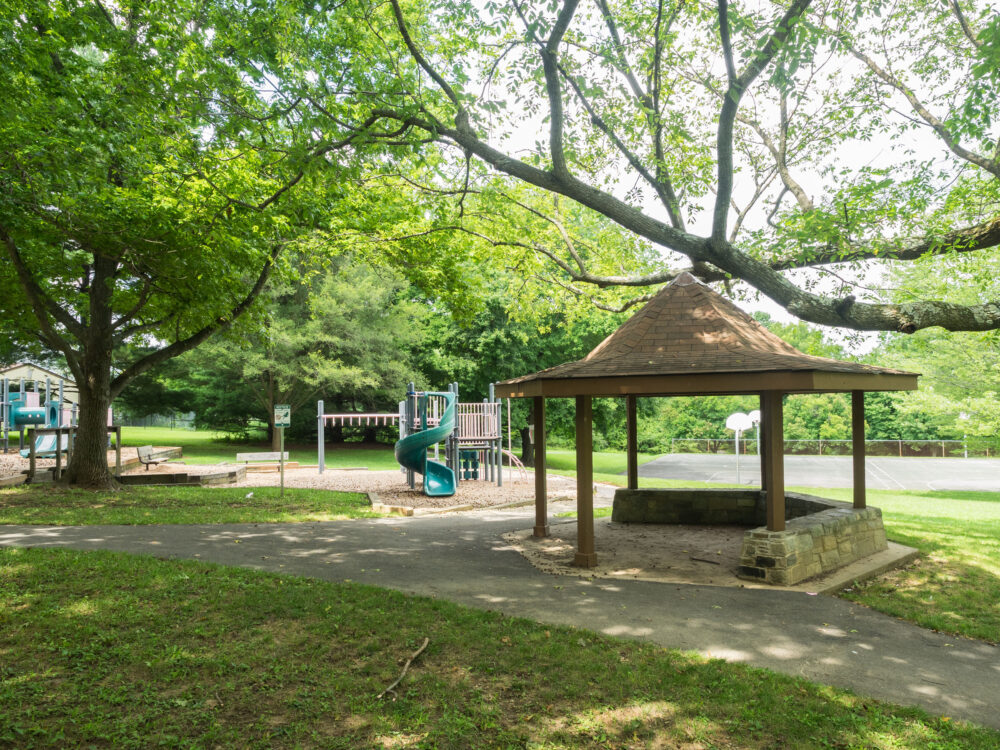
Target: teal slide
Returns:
[45, 446]
[411, 452]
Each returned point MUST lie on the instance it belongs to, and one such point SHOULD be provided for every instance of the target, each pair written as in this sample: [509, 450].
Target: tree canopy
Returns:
[143, 158]
[742, 141]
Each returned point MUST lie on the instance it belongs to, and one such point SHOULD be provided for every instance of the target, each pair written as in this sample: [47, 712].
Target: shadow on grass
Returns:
[107, 648]
[954, 586]
[62, 506]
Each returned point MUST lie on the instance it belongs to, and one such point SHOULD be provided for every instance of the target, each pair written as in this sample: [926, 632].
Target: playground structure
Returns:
[23, 408]
[411, 449]
[471, 434]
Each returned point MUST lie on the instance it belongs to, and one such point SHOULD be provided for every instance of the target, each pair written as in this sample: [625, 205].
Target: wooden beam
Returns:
[858, 447]
[541, 485]
[772, 421]
[708, 384]
[632, 442]
[586, 556]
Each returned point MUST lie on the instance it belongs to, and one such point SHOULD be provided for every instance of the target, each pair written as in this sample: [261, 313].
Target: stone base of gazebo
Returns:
[820, 535]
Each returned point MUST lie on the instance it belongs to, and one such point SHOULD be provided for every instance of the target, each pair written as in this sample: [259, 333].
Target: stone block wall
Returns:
[689, 506]
[813, 544]
[820, 535]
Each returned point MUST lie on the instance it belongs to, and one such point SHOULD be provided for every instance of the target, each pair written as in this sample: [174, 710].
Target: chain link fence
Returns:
[901, 448]
[171, 421]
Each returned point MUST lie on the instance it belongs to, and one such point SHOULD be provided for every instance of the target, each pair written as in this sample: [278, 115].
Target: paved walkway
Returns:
[881, 472]
[462, 558]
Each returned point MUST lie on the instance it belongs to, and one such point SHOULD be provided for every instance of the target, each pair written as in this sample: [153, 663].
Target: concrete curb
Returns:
[896, 556]
[406, 510]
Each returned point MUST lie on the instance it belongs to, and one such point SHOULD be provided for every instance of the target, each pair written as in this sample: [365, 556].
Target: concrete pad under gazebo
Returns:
[690, 341]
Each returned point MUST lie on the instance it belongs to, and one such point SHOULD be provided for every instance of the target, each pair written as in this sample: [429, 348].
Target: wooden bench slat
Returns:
[272, 456]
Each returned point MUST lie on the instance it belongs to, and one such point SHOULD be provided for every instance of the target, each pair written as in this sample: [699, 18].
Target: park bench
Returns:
[246, 458]
[146, 457]
[267, 461]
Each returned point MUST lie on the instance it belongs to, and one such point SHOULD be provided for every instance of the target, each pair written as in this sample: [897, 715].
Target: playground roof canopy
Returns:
[691, 340]
[38, 375]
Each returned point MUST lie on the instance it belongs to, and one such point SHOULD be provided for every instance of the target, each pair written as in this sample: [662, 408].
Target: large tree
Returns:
[347, 336]
[147, 185]
[741, 140]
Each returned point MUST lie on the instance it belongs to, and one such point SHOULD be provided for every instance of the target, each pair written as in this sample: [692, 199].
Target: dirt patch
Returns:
[647, 552]
[391, 487]
[12, 463]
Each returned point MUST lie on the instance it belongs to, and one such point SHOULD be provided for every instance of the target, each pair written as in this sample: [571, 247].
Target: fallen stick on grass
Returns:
[405, 668]
[702, 559]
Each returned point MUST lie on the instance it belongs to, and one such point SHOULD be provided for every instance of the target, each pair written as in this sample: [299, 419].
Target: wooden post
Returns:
[586, 557]
[118, 451]
[321, 438]
[858, 447]
[772, 420]
[541, 486]
[281, 459]
[58, 473]
[31, 454]
[632, 442]
[762, 445]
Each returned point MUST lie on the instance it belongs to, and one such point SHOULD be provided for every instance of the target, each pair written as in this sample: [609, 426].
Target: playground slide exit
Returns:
[411, 452]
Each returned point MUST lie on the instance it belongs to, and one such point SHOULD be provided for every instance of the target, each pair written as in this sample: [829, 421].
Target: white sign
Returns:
[282, 415]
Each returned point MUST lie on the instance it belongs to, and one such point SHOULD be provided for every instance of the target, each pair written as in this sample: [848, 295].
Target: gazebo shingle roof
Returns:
[688, 330]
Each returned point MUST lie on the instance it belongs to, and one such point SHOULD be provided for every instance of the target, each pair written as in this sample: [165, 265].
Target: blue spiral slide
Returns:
[411, 452]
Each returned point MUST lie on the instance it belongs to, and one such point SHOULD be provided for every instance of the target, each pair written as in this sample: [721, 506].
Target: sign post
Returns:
[738, 422]
[282, 419]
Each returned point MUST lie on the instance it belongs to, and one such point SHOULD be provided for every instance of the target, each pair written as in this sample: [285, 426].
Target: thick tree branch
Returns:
[861, 316]
[45, 309]
[738, 84]
[956, 9]
[462, 115]
[990, 165]
[663, 189]
[124, 319]
[615, 209]
[550, 57]
[190, 342]
[649, 105]
[577, 292]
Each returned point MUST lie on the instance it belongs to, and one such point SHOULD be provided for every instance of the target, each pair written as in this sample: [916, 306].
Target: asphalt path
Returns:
[462, 558]
[881, 472]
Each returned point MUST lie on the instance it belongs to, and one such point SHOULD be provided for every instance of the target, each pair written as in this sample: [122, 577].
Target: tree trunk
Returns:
[271, 401]
[527, 450]
[89, 465]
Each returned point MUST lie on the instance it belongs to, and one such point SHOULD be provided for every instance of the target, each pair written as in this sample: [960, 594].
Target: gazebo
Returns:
[689, 340]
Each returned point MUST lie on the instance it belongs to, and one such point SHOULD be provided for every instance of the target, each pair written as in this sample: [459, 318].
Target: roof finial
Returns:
[684, 278]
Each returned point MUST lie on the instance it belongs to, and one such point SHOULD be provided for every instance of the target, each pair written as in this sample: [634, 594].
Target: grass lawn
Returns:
[46, 504]
[208, 447]
[185, 654]
[955, 585]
